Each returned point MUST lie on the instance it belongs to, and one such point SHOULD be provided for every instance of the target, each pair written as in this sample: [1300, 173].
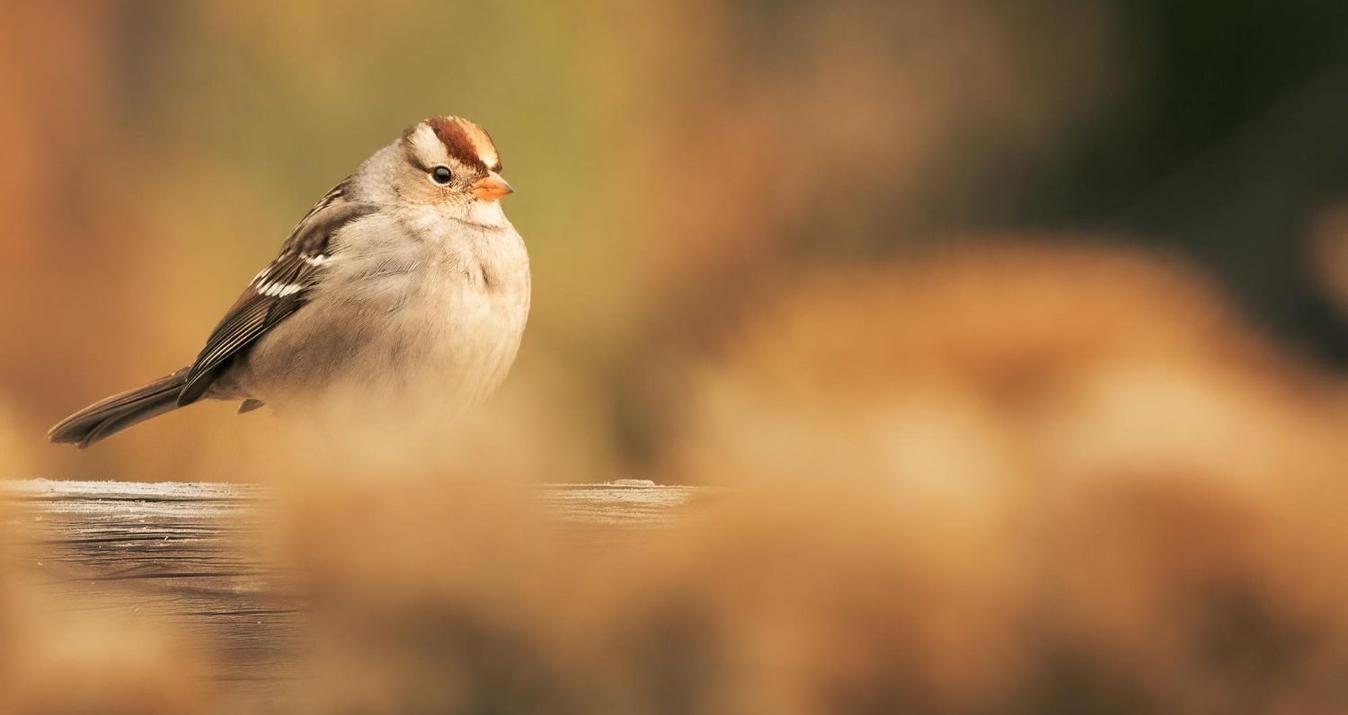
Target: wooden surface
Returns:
[184, 552]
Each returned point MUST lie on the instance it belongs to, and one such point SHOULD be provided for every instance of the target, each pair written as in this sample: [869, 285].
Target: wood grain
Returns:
[187, 553]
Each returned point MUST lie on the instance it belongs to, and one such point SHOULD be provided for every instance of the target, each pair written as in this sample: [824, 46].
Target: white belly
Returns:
[457, 345]
[421, 336]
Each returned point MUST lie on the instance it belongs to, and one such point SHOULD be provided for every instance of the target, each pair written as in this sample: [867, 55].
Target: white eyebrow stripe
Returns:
[427, 146]
[483, 147]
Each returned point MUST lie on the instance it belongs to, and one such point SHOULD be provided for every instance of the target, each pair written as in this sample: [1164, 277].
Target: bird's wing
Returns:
[275, 293]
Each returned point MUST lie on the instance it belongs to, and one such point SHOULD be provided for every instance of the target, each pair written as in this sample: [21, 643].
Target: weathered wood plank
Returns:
[186, 552]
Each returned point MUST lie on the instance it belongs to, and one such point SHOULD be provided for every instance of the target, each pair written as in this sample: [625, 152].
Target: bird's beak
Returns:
[491, 188]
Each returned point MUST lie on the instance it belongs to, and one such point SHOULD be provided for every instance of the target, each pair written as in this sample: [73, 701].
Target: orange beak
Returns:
[491, 188]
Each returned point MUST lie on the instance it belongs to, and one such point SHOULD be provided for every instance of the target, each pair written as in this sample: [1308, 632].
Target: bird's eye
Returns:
[441, 175]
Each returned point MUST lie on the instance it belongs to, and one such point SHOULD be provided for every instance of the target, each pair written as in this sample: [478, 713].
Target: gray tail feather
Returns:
[114, 414]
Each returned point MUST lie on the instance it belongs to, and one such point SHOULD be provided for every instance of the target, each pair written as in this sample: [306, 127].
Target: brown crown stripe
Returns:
[458, 137]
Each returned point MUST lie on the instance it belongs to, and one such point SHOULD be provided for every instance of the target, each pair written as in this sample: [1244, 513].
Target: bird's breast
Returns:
[420, 329]
[461, 320]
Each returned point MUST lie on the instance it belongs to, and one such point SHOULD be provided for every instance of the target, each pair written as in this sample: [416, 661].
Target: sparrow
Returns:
[405, 284]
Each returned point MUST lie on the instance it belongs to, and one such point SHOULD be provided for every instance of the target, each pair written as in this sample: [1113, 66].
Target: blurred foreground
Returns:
[1012, 478]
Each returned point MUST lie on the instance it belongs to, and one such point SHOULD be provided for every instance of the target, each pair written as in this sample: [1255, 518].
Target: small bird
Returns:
[404, 283]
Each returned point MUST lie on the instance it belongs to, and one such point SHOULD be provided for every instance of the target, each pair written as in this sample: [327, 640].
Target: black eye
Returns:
[441, 175]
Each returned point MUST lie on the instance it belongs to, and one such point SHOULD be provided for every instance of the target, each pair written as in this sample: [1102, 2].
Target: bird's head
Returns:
[446, 164]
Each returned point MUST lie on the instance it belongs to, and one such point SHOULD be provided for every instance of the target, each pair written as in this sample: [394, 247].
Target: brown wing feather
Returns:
[277, 292]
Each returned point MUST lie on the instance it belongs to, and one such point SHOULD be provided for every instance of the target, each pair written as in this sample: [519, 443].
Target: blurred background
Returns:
[1016, 329]
[673, 160]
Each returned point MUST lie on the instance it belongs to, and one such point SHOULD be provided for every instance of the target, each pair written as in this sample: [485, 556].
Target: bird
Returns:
[403, 285]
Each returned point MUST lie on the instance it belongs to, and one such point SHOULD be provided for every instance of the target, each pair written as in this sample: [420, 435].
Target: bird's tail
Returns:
[114, 414]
